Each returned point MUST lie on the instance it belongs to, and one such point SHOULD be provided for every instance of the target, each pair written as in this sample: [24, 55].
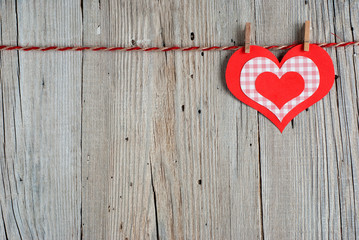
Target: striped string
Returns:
[161, 49]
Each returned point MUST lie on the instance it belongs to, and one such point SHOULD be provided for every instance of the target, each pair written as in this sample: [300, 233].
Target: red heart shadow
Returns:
[280, 90]
[317, 54]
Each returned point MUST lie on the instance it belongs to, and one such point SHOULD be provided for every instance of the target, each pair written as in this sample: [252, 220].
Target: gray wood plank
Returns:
[328, 136]
[118, 196]
[11, 223]
[347, 101]
[354, 22]
[41, 122]
[204, 175]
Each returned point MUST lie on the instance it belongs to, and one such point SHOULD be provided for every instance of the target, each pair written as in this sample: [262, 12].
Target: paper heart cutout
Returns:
[255, 67]
[315, 67]
[280, 90]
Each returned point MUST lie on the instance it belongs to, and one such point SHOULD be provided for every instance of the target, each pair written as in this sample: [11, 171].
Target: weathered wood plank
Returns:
[41, 122]
[118, 198]
[203, 176]
[327, 134]
[346, 84]
[11, 225]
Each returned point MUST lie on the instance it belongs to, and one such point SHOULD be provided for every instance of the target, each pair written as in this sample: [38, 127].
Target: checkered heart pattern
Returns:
[302, 65]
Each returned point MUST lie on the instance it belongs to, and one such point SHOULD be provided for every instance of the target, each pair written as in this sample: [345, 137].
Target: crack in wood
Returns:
[154, 201]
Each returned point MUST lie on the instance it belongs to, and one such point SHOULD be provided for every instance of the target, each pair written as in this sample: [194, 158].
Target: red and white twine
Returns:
[160, 49]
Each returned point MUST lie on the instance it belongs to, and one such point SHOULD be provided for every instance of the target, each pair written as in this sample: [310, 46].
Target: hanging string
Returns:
[161, 49]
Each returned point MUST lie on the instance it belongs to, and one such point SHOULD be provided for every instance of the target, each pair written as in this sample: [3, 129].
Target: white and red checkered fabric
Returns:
[302, 65]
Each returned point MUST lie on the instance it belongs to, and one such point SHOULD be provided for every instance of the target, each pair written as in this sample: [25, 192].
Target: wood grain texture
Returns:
[153, 145]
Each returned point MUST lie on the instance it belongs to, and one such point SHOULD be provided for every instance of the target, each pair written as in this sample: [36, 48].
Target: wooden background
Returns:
[153, 145]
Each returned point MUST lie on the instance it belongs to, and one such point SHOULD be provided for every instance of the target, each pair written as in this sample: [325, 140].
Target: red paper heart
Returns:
[280, 90]
[238, 71]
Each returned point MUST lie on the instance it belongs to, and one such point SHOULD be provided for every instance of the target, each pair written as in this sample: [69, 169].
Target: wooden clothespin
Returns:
[306, 36]
[247, 42]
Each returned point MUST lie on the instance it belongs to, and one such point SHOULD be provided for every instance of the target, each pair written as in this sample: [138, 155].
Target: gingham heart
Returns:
[314, 67]
[304, 66]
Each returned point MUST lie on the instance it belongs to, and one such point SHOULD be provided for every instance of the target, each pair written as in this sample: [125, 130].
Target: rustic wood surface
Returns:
[153, 145]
